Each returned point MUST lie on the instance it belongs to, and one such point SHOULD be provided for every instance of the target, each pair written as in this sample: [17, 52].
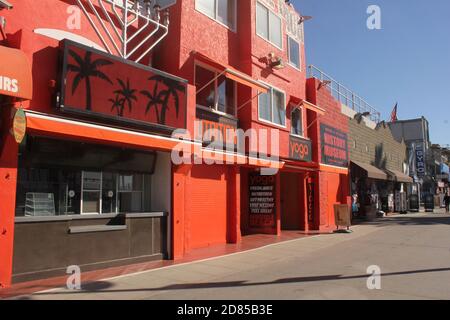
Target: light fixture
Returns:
[273, 61]
[5, 5]
[359, 116]
[304, 18]
[277, 64]
[323, 83]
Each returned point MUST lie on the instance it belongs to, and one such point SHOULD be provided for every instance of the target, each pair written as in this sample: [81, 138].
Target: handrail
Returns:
[345, 95]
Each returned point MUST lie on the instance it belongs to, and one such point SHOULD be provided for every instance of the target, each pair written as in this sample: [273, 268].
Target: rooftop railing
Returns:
[345, 95]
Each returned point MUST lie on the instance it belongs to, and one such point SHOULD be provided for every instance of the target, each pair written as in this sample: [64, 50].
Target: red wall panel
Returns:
[207, 195]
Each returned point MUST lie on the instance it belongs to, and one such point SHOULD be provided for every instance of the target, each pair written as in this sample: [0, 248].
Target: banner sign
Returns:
[310, 195]
[19, 127]
[262, 197]
[300, 149]
[212, 127]
[104, 86]
[420, 161]
[334, 146]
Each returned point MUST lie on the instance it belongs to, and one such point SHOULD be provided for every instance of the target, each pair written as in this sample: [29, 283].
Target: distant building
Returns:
[379, 171]
[415, 133]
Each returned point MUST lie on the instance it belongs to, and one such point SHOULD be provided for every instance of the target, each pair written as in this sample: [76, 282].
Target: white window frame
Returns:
[301, 123]
[268, 24]
[233, 28]
[271, 89]
[116, 192]
[216, 96]
[289, 39]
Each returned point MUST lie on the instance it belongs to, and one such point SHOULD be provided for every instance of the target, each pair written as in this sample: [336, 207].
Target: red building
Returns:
[88, 178]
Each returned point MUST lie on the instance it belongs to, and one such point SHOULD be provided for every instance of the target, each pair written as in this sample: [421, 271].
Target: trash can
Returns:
[371, 212]
[414, 203]
[429, 202]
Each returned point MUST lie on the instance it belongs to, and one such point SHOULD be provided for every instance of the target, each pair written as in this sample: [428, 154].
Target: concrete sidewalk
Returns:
[413, 252]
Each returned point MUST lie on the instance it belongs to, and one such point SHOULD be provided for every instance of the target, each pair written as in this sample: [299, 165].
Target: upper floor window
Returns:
[215, 92]
[272, 107]
[297, 122]
[223, 11]
[268, 25]
[294, 52]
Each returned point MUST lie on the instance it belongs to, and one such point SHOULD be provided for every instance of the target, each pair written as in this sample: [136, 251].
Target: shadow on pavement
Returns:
[410, 220]
[99, 287]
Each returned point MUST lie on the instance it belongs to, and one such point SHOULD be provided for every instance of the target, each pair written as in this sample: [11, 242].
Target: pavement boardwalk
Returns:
[412, 252]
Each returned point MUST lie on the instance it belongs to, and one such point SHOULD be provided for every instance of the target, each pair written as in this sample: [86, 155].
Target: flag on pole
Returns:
[394, 117]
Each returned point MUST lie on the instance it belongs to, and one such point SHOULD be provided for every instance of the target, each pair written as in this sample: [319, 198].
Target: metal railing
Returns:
[119, 22]
[345, 95]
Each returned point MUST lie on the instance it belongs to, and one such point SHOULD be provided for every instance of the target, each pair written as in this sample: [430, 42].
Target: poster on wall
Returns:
[103, 86]
[334, 146]
[262, 197]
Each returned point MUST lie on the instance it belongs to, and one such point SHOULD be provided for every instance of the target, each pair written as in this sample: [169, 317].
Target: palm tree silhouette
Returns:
[153, 101]
[128, 95]
[162, 97]
[85, 69]
[117, 104]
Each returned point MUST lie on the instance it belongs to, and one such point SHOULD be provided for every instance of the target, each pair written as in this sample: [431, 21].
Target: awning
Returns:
[313, 107]
[231, 73]
[370, 171]
[399, 176]
[48, 125]
[15, 74]
[308, 105]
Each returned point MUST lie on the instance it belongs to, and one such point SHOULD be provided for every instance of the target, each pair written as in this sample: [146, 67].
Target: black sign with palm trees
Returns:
[101, 85]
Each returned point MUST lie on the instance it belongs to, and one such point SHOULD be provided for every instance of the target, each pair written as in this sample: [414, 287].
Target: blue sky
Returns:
[408, 60]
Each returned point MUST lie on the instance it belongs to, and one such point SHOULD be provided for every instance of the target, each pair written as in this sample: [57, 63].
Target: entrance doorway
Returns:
[292, 200]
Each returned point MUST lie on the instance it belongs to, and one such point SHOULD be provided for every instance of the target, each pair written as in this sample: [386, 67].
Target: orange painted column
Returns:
[8, 185]
[318, 185]
[179, 178]
[304, 198]
[278, 203]
[234, 205]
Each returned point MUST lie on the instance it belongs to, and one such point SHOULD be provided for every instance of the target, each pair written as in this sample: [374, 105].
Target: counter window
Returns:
[69, 178]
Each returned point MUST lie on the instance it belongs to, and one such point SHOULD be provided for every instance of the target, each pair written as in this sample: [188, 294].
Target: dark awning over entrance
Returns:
[399, 177]
[369, 171]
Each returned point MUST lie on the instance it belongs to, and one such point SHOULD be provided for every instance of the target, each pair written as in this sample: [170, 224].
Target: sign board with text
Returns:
[215, 128]
[342, 215]
[420, 161]
[334, 146]
[262, 200]
[300, 149]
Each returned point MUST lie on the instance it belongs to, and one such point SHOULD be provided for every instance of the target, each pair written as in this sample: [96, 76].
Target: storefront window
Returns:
[97, 185]
[215, 92]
